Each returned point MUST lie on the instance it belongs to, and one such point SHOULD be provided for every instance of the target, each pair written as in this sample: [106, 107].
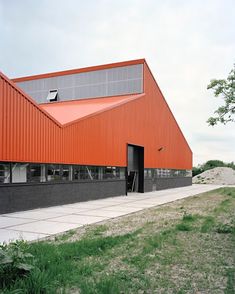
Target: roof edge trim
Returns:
[80, 70]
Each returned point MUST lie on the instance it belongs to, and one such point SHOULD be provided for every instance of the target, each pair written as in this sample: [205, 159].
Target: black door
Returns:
[135, 169]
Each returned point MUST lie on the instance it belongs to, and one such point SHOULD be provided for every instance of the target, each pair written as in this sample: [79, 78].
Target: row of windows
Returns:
[154, 173]
[31, 172]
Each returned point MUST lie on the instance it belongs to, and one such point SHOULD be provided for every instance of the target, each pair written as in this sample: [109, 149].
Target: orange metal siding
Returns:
[176, 153]
[29, 134]
[139, 122]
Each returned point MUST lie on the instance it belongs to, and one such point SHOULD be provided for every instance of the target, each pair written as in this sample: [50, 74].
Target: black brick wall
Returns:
[25, 196]
[166, 183]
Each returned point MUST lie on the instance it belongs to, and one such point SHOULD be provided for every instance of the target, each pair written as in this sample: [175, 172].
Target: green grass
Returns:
[65, 236]
[183, 227]
[190, 251]
[208, 224]
[189, 218]
[187, 222]
[225, 228]
[230, 282]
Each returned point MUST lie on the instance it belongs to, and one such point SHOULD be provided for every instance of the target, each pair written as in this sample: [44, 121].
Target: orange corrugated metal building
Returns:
[90, 133]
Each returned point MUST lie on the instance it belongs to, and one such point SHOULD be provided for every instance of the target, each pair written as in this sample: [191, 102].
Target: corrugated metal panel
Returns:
[25, 128]
[28, 134]
[102, 139]
[100, 83]
[146, 121]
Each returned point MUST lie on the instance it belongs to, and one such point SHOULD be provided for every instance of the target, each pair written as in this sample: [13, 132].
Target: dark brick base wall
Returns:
[24, 196]
[166, 183]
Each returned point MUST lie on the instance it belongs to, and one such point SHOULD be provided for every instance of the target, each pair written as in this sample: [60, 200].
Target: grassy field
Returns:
[183, 247]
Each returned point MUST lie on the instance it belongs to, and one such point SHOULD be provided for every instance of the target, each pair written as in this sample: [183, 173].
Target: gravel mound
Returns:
[217, 176]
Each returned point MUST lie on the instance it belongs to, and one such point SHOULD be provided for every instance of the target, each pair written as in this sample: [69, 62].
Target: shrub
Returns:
[183, 227]
[189, 217]
[207, 224]
[225, 229]
[196, 171]
[14, 262]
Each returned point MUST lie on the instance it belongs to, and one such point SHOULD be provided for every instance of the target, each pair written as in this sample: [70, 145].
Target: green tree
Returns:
[226, 90]
[197, 170]
[213, 163]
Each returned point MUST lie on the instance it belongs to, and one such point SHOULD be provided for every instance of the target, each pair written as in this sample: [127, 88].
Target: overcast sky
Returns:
[185, 42]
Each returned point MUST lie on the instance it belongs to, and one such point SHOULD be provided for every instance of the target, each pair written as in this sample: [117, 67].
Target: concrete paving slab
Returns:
[113, 201]
[138, 204]
[7, 236]
[45, 227]
[39, 223]
[78, 219]
[135, 196]
[35, 215]
[63, 210]
[122, 208]
[86, 205]
[105, 204]
[107, 200]
[104, 213]
[10, 221]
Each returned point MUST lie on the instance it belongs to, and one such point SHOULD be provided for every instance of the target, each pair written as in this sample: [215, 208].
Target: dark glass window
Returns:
[53, 172]
[34, 173]
[182, 173]
[81, 173]
[4, 173]
[93, 172]
[85, 173]
[122, 173]
[164, 173]
[108, 173]
[157, 173]
[100, 173]
[148, 173]
[65, 172]
[76, 173]
[19, 172]
[145, 173]
[114, 172]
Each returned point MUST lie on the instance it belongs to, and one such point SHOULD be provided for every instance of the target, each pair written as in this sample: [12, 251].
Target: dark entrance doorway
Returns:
[135, 169]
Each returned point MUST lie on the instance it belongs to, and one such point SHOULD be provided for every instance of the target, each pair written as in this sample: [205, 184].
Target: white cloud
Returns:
[186, 43]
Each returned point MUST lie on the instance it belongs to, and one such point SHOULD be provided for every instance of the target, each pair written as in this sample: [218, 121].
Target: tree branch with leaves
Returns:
[226, 90]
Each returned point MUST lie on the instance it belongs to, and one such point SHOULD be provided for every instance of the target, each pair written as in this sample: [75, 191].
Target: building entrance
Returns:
[135, 169]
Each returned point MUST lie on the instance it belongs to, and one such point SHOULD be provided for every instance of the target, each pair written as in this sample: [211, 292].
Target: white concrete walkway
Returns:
[40, 223]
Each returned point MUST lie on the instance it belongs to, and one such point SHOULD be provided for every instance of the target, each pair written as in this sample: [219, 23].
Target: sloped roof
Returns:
[71, 111]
